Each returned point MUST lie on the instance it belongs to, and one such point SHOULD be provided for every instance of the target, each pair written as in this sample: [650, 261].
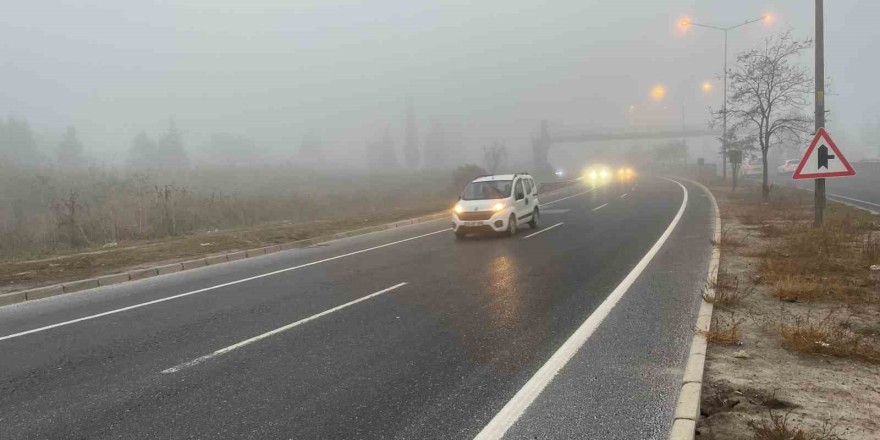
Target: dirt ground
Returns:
[798, 351]
[20, 275]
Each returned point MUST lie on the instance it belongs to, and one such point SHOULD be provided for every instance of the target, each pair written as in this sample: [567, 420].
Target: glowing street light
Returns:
[684, 23]
[658, 92]
[706, 87]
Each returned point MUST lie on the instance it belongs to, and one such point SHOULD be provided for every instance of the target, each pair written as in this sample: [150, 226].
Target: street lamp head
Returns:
[684, 23]
[658, 92]
[706, 87]
[769, 18]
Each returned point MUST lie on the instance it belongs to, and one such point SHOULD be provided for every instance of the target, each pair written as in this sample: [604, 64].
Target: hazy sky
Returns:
[275, 69]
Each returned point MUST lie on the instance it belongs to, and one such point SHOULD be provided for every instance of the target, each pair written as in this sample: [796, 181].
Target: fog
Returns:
[339, 73]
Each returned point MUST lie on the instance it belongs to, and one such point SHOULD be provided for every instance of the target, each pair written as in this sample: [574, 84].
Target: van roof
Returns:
[499, 177]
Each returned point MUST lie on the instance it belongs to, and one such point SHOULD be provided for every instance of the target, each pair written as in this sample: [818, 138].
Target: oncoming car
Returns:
[500, 203]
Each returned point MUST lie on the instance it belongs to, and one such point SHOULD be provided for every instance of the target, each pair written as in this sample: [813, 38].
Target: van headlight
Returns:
[458, 209]
[499, 207]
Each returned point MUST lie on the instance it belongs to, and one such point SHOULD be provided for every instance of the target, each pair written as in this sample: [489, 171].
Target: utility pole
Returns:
[819, 193]
[724, 114]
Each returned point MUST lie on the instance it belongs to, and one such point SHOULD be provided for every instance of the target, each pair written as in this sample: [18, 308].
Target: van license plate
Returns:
[473, 223]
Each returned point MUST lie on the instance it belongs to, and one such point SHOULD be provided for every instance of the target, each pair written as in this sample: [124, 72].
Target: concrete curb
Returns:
[106, 280]
[687, 408]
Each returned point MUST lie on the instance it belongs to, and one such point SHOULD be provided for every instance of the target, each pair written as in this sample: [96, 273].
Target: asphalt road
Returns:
[328, 342]
[862, 190]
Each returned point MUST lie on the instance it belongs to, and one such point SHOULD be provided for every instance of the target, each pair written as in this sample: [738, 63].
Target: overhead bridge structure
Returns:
[541, 145]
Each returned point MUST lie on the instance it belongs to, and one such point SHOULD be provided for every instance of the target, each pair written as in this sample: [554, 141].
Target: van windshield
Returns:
[495, 189]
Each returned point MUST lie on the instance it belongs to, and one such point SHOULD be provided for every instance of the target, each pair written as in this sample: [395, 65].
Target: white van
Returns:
[499, 203]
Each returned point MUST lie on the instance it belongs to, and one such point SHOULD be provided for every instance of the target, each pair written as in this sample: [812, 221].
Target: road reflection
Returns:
[504, 288]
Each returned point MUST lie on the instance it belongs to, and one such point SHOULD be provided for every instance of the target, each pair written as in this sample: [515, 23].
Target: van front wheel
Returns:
[533, 223]
[511, 226]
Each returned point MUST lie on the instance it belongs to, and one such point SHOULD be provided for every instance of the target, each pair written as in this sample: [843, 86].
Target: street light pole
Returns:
[724, 115]
[819, 193]
[687, 22]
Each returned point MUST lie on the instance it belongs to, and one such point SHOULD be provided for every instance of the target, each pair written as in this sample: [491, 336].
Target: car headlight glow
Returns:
[498, 207]
[458, 209]
[594, 175]
[603, 174]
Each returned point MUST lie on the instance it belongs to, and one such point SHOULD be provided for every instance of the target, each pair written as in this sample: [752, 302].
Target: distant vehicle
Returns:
[500, 203]
[752, 168]
[788, 167]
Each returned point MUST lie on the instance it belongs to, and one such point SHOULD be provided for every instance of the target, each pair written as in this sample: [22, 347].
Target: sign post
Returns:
[819, 193]
[736, 158]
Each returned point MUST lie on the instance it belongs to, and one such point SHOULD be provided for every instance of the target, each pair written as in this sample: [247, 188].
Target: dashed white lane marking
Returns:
[206, 289]
[543, 230]
[554, 211]
[599, 207]
[514, 409]
[624, 195]
[231, 283]
[257, 338]
[566, 198]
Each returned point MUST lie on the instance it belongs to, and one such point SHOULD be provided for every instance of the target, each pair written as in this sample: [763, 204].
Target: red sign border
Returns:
[823, 134]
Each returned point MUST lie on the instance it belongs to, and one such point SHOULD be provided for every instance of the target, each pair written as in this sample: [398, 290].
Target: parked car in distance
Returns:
[788, 167]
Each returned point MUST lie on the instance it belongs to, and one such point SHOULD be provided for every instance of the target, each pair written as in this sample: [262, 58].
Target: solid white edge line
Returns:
[249, 341]
[854, 200]
[514, 409]
[566, 198]
[599, 207]
[543, 230]
[231, 283]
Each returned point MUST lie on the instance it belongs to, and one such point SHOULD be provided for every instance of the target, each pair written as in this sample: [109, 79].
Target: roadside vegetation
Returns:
[47, 213]
[797, 318]
[59, 226]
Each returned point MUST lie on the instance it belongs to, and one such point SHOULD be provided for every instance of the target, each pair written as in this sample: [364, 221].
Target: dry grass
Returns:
[828, 263]
[833, 288]
[776, 427]
[773, 229]
[871, 249]
[726, 291]
[729, 240]
[828, 338]
[723, 334]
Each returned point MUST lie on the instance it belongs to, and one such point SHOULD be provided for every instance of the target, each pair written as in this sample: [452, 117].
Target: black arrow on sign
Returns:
[824, 156]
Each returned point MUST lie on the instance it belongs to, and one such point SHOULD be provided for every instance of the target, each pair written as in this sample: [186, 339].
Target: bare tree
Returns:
[494, 156]
[768, 94]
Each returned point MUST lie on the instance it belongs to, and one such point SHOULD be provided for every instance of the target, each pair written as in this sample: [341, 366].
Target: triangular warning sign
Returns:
[823, 159]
